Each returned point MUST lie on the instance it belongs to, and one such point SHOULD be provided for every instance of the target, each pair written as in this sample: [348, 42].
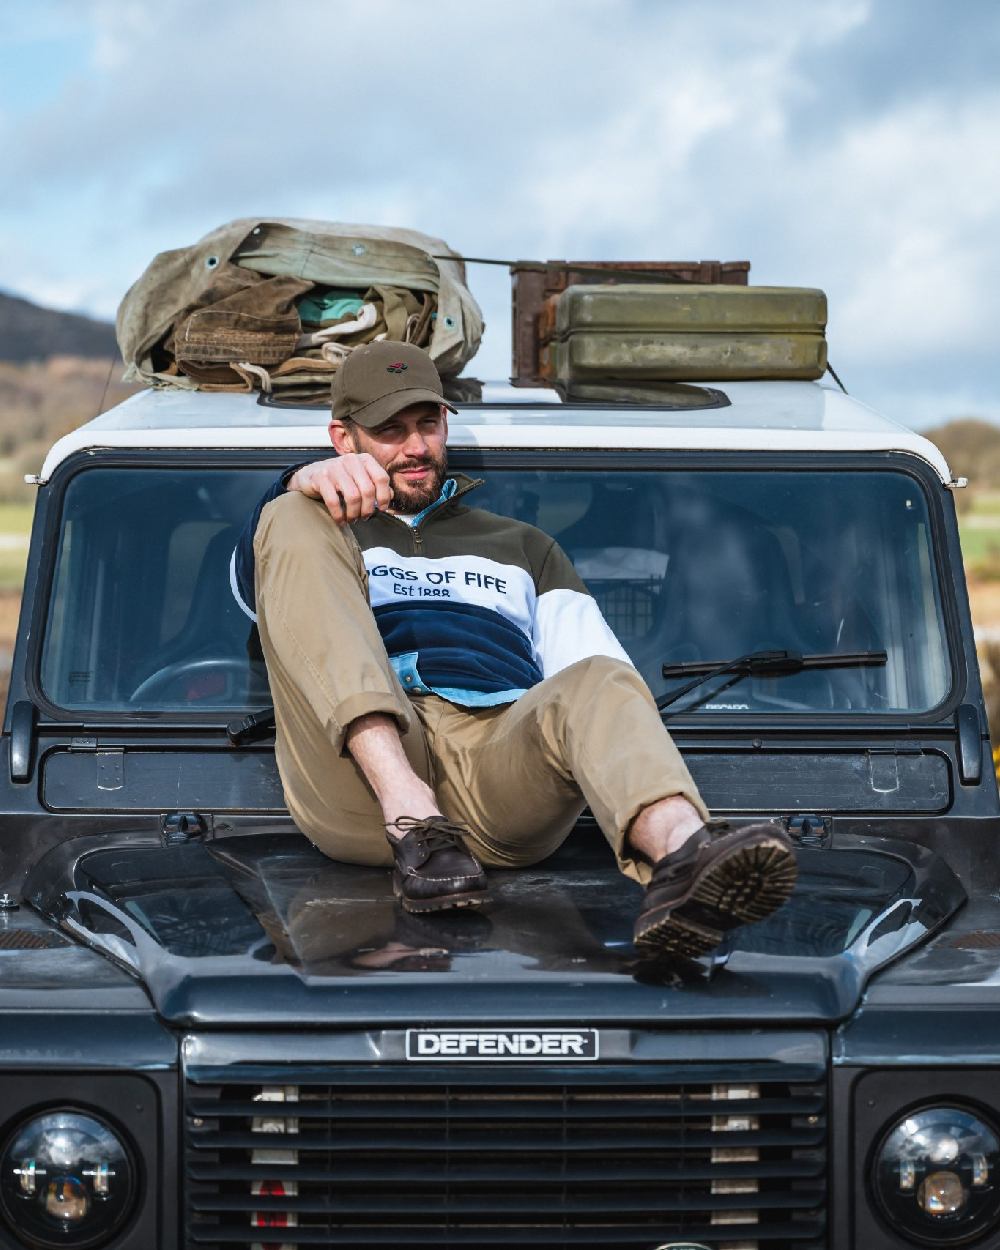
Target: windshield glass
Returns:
[687, 565]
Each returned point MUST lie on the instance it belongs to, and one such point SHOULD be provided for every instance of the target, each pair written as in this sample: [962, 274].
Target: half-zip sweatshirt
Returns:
[474, 607]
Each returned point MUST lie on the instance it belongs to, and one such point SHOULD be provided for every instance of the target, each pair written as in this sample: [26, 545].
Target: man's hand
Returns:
[352, 486]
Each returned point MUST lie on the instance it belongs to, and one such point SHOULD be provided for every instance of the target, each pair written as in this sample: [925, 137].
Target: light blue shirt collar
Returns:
[447, 490]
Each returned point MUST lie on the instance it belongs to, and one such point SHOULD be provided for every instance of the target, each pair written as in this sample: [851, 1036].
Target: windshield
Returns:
[687, 565]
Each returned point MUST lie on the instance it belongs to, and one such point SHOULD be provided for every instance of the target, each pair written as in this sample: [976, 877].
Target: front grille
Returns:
[615, 1156]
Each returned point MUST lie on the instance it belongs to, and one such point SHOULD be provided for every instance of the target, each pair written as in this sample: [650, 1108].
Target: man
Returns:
[447, 693]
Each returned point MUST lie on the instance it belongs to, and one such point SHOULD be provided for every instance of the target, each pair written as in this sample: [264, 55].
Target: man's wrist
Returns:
[297, 478]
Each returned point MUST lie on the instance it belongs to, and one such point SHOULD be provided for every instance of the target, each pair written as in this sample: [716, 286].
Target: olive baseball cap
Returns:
[379, 379]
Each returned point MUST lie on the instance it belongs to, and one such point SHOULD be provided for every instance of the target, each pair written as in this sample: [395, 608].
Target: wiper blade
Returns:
[251, 727]
[765, 664]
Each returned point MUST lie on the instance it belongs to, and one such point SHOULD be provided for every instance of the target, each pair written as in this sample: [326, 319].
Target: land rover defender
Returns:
[211, 1036]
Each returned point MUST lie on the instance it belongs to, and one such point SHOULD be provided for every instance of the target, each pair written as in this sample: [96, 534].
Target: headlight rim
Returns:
[990, 1117]
[25, 1116]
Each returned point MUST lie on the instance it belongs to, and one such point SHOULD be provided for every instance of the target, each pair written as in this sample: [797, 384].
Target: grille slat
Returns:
[804, 1237]
[418, 1077]
[452, 1204]
[533, 1174]
[393, 1108]
[447, 1140]
[617, 1155]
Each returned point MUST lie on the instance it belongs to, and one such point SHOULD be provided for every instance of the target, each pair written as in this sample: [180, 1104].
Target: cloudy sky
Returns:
[852, 145]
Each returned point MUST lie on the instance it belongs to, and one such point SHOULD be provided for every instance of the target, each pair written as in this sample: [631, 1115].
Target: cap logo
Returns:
[397, 366]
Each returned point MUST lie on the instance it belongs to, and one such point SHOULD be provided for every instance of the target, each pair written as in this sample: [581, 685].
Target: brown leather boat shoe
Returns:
[719, 879]
[434, 869]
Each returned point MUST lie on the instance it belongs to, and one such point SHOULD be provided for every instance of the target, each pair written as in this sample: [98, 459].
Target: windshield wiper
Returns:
[251, 727]
[762, 664]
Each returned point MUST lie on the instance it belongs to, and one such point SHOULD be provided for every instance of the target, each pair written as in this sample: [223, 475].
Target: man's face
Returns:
[411, 448]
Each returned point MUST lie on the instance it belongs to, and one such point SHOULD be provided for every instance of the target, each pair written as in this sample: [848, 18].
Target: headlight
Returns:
[66, 1179]
[936, 1175]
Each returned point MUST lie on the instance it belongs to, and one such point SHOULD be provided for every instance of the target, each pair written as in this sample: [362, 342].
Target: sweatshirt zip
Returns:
[416, 537]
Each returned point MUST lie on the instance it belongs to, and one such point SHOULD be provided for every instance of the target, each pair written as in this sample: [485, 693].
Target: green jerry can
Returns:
[659, 332]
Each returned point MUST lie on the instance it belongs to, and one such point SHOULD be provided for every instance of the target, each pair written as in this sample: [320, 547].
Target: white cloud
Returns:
[895, 216]
[602, 128]
[926, 188]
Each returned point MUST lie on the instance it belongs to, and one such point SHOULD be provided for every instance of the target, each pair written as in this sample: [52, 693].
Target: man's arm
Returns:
[568, 624]
[351, 486]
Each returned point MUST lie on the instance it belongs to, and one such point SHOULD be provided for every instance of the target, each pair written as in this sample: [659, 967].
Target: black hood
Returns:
[264, 930]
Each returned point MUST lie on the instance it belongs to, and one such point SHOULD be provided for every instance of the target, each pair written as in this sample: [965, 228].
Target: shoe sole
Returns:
[444, 902]
[745, 886]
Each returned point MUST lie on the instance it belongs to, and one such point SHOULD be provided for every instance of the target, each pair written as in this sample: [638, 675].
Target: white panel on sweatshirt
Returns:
[476, 580]
[569, 626]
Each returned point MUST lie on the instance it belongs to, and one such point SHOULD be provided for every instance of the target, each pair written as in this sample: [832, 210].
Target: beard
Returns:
[413, 497]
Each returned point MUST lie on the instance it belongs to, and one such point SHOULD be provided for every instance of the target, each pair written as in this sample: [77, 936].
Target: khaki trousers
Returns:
[517, 775]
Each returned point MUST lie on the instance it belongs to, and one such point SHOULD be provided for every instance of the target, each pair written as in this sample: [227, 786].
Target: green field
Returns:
[15, 526]
[980, 528]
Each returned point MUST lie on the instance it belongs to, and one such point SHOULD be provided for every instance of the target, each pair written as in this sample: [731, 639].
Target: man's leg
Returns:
[332, 683]
[354, 762]
[374, 744]
[664, 827]
[593, 733]
[520, 774]
[434, 867]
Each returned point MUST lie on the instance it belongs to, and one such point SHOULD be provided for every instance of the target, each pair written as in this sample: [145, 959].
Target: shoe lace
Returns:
[433, 833]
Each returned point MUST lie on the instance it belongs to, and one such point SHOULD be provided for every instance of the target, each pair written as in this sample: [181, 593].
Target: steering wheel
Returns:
[160, 680]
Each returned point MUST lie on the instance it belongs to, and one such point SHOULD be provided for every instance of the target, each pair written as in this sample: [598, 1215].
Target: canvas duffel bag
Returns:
[168, 333]
[683, 333]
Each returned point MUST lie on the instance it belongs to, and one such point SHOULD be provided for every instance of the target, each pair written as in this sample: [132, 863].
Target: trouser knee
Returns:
[589, 679]
[293, 522]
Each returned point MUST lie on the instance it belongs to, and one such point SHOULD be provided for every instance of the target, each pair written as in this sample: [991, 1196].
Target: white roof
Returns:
[761, 416]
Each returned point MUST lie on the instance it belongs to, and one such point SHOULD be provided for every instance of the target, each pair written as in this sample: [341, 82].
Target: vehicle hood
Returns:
[264, 930]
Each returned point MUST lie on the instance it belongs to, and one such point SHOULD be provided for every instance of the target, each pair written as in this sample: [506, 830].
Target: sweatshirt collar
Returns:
[458, 484]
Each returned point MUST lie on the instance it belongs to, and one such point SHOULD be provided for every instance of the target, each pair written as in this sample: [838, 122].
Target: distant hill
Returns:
[29, 332]
[42, 400]
[972, 448]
